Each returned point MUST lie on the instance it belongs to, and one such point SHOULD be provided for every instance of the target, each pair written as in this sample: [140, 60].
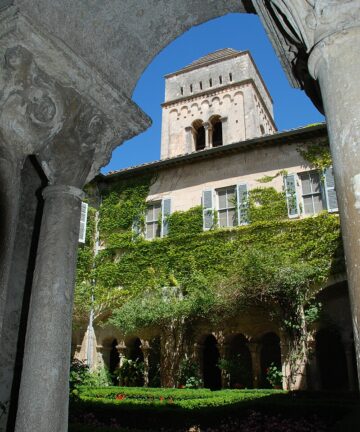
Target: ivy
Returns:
[318, 155]
[189, 274]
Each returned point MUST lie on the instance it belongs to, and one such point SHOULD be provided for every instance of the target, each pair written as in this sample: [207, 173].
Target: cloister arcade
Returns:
[68, 71]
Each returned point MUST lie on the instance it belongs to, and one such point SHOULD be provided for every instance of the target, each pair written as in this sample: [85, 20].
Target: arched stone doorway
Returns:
[211, 370]
[270, 353]
[331, 360]
[241, 374]
[114, 358]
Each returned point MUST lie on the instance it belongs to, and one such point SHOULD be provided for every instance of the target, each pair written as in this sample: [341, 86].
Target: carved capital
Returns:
[295, 27]
[56, 106]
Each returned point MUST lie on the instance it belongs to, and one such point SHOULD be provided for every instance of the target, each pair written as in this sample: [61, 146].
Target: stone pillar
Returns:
[122, 350]
[225, 376]
[208, 134]
[224, 129]
[189, 139]
[335, 63]
[145, 349]
[49, 322]
[255, 350]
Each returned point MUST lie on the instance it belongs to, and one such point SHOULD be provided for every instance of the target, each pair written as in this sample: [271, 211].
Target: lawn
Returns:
[129, 409]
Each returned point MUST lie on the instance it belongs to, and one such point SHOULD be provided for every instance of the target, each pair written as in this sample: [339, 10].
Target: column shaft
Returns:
[336, 64]
[43, 399]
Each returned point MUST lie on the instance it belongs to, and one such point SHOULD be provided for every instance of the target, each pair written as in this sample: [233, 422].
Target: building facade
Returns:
[220, 150]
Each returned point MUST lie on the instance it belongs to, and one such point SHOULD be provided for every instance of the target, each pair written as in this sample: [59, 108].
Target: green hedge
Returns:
[143, 409]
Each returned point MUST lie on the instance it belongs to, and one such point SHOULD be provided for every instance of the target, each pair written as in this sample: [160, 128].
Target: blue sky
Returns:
[292, 108]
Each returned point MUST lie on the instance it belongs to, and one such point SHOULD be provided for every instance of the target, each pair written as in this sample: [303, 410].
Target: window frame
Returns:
[312, 193]
[153, 221]
[233, 207]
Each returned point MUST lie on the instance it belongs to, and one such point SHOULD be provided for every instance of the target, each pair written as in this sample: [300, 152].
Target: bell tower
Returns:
[217, 100]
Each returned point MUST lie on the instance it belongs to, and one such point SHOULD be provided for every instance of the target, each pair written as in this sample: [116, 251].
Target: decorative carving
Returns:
[31, 103]
[296, 26]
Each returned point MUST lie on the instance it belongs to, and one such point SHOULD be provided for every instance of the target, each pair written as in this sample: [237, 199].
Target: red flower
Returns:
[120, 397]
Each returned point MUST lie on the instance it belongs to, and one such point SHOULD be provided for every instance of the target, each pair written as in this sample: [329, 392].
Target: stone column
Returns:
[225, 376]
[49, 322]
[122, 350]
[335, 63]
[145, 349]
[189, 139]
[224, 129]
[208, 134]
[255, 349]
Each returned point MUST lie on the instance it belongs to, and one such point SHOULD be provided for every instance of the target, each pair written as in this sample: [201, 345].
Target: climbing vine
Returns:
[274, 263]
[318, 155]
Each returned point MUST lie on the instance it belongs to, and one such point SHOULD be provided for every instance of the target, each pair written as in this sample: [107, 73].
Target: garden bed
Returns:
[183, 409]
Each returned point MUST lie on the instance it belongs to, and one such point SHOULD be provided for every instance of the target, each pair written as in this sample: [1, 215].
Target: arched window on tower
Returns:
[199, 134]
[217, 133]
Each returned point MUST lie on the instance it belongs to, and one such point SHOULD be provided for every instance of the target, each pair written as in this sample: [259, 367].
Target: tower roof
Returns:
[214, 57]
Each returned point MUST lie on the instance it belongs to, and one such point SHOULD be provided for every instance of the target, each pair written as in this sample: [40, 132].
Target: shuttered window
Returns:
[311, 192]
[227, 212]
[152, 225]
[83, 222]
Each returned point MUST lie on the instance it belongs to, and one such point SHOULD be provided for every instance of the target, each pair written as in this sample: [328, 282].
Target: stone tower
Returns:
[217, 100]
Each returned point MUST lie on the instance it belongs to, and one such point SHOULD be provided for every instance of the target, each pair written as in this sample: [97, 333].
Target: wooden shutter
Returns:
[165, 212]
[208, 209]
[242, 197]
[291, 195]
[83, 220]
[330, 193]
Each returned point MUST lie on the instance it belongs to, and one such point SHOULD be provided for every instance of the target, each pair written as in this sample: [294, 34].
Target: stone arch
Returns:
[110, 353]
[198, 134]
[184, 111]
[270, 352]
[211, 357]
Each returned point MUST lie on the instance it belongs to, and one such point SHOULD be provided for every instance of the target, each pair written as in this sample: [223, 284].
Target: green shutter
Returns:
[208, 209]
[330, 192]
[165, 213]
[242, 197]
[291, 195]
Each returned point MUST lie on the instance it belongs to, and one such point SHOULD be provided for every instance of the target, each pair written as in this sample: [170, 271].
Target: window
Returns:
[210, 82]
[311, 192]
[227, 206]
[200, 84]
[230, 76]
[157, 214]
[220, 79]
[191, 89]
[217, 135]
[199, 135]
[153, 227]
[182, 90]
